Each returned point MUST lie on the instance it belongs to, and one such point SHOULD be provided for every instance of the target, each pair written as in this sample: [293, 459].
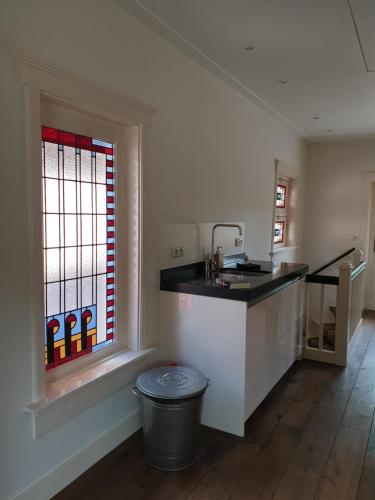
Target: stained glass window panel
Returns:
[69, 224]
[280, 196]
[101, 168]
[71, 264]
[278, 235]
[51, 160]
[101, 199]
[51, 196]
[53, 293]
[101, 229]
[86, 166]
[86, 198]
[68, 156]
[79, 245]
[52, 238]
[70, 197]
[72, 293]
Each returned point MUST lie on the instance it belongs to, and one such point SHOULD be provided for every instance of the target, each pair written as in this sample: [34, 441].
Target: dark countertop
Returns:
[191, 279]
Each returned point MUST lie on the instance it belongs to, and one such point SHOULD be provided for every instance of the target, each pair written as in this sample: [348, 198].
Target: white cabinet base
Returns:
[243, 351]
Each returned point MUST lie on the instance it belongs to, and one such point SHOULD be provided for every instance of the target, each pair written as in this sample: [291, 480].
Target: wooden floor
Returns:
[312, 438]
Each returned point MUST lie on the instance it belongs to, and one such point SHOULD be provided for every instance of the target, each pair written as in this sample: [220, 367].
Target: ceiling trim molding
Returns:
[29, 61]
[174, 38]
[359, 38]
[361, 136]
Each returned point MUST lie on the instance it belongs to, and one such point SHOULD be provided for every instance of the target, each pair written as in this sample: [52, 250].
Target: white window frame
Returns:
[281, 213]
[45, 83]
[57, 115]
[288, 175]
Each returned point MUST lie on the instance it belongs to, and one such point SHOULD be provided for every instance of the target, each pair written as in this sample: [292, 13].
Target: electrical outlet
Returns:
[177, 252]
[238, 242]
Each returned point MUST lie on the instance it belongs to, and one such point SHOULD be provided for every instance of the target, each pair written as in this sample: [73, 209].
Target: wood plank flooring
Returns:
[312, 438]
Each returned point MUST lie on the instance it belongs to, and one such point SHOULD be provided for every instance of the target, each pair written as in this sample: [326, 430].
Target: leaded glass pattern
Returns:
[280, 196]
[278, 235]
[78, 186]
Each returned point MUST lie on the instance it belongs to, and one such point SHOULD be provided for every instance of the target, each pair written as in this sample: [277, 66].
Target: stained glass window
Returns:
[278, 235]
[79, 245]
[280, 196]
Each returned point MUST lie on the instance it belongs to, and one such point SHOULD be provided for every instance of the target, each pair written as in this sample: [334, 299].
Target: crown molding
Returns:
[343, 137]
[140, 12]
[29, 61]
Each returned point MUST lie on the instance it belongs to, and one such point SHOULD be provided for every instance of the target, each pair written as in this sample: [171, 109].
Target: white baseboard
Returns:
[55, 480]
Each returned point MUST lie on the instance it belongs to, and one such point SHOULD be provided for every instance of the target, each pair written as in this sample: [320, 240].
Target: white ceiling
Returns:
[325, 49]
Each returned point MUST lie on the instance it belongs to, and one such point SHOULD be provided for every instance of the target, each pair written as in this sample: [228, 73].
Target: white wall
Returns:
[196, 239]
[334, 208]
[334, 197]
[212, 158]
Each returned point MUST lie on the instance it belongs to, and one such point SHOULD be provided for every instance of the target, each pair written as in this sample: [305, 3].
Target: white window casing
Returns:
[57, 98]
[287, 175]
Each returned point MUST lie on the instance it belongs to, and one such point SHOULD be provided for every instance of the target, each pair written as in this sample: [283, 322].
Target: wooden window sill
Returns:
[77, 392]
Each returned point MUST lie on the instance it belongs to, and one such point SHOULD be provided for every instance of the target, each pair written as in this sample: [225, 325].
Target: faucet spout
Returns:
[213, 267]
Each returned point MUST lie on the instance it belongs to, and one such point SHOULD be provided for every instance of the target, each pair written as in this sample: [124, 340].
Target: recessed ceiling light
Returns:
[315, 117]
[250, 47]
[282, 82]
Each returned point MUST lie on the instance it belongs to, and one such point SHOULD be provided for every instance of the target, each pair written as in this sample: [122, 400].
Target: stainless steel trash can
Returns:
[171, 400]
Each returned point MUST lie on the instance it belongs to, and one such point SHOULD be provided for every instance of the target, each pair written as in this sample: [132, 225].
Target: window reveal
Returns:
[79, 245]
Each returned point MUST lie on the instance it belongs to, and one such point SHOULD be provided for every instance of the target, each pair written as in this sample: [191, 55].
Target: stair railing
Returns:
[350, 285]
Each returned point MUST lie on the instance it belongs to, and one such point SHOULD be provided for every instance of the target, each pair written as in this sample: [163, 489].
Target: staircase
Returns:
[329, 332]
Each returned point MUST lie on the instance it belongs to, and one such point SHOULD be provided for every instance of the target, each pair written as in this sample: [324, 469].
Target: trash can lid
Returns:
[172, 382]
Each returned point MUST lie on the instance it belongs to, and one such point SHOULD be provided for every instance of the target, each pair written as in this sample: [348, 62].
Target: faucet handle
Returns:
[208, 265]
[209, 268]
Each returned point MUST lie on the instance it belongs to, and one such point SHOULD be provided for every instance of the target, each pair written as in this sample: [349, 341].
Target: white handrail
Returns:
[349, 307]
[343, 307]
[321, 318]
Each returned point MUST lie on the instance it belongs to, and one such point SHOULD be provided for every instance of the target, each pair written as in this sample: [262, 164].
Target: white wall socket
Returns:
[238, 242]
[177, 252]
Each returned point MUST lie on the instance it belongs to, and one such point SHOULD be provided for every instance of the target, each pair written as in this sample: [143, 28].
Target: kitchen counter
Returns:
[264, 281]
[243, 345]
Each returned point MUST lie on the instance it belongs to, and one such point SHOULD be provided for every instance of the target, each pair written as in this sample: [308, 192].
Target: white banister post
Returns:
[343, 299]
[321, 316]
[306, 315]
[357, 257]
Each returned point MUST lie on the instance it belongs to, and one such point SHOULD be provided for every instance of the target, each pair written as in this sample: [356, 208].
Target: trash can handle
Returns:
[136, 391]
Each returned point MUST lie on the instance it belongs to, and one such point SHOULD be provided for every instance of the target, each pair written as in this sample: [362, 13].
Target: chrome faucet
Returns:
[213, 265]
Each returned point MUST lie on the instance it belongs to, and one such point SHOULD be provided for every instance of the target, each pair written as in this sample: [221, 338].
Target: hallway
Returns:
[312, 438]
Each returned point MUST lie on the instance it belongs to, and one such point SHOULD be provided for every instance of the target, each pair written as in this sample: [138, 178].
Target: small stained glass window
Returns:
[78, 177]
[278, 235]
[280, 196]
